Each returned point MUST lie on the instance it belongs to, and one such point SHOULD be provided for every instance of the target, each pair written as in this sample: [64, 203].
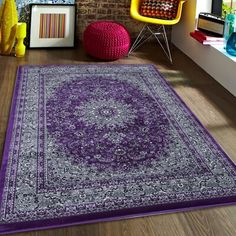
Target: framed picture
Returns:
[52, 25]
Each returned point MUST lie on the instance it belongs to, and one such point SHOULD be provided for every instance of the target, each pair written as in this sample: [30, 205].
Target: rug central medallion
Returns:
[106, 113]
[106, 123]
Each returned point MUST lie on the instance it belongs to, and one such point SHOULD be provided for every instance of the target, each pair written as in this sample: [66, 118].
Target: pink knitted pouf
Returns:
[106, 40]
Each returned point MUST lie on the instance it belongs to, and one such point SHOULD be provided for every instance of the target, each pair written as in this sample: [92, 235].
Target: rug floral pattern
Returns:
[89, 139]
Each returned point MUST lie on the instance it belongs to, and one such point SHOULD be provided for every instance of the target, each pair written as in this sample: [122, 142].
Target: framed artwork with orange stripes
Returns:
[52, 25]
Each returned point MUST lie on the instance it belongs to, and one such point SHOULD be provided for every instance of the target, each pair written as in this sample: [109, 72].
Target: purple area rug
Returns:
[90, 143]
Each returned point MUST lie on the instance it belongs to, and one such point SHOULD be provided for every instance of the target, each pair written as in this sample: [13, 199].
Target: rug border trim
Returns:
[56, 224]
[8, 135]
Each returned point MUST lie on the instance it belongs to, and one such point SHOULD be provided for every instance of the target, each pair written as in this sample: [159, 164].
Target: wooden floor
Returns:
[212, 104]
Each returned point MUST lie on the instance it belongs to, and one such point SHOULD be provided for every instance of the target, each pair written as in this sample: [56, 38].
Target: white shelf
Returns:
[223, 51]
[212, 58]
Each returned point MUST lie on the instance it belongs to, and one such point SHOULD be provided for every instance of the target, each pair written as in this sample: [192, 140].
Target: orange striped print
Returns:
[52, 26]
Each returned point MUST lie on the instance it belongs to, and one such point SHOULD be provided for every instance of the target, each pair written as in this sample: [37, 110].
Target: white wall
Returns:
[214, 62]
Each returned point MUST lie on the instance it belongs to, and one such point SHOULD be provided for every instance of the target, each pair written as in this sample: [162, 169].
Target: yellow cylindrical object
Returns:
[9, 21]
[21, 30]
[20, 35]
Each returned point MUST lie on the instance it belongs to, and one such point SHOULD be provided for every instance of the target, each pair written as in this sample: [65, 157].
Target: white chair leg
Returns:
[153, 30]
[160, 31]
[143, 36]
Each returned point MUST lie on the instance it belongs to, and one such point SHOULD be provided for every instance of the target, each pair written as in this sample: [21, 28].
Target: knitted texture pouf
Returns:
[106, 40]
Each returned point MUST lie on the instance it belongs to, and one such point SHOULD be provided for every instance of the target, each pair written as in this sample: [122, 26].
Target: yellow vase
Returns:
[9, 20]
[20, 35]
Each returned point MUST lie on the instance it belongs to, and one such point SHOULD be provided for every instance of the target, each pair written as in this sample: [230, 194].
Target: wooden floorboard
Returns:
[209, 101]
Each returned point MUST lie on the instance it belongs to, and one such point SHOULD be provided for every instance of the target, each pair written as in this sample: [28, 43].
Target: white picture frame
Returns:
[52, 25]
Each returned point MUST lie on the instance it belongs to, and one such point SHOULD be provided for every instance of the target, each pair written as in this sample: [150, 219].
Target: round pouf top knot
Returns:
[106, 40]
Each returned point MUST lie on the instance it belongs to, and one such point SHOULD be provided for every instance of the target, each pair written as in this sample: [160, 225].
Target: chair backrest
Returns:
[135, 13]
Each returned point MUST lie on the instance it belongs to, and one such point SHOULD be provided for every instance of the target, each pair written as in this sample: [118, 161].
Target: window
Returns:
[223, 7]
[217, 7]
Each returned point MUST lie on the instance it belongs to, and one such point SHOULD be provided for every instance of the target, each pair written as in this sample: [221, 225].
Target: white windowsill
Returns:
[213, 59]
[221, 49]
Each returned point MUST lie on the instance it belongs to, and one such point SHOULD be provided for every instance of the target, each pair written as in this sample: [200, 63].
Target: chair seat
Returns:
[135, 13]
[106, 40]
[161, 9]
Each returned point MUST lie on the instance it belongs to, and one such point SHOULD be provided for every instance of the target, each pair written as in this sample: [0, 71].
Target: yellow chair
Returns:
[153, 27]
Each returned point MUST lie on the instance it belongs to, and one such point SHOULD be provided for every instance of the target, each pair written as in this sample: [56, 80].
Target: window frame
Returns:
[217, 7]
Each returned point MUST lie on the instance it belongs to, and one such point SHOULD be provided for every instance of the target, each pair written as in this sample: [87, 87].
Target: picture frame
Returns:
[52, 25]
